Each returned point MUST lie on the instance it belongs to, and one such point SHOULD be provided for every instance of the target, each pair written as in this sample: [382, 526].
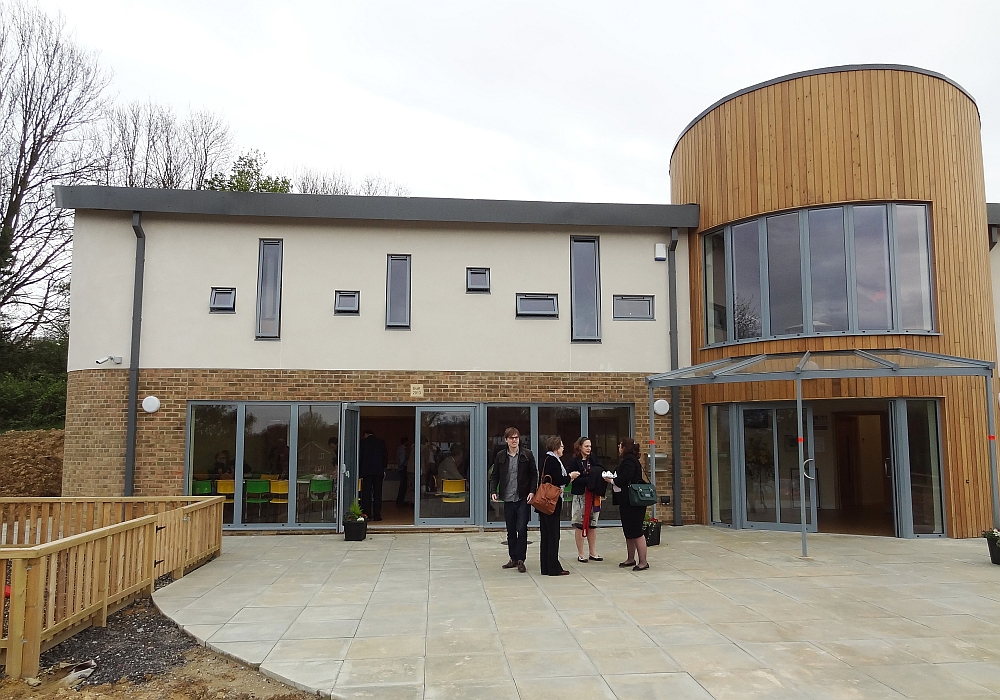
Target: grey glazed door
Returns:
[349, 459]
[768, 478]
[445, 460]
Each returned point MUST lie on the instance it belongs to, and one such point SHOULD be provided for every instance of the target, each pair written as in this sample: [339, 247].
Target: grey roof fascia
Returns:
[351, 207]
[993, 214]
[820, 71]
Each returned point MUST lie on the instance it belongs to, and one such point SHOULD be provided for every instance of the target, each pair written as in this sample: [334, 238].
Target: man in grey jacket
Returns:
[514, 479]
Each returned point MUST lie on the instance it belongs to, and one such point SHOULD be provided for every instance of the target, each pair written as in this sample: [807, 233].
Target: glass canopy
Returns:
[833, 364]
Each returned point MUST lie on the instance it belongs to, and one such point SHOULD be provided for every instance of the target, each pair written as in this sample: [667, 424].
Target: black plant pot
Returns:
[355, 531]
[652, 532]
[994, 551]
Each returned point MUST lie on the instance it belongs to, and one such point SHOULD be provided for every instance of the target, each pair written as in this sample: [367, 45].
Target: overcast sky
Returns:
[523, 100]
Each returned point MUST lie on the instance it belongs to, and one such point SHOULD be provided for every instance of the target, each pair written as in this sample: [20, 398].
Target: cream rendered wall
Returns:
[450, 330]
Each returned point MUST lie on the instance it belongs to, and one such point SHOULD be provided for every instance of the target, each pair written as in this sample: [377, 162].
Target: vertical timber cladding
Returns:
[847, 136]
[97, 406]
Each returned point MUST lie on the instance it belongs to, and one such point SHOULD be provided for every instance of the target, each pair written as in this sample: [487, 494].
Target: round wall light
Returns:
[661, 407]
[150, 404]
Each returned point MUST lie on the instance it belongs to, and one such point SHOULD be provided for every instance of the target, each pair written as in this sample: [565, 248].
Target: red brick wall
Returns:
[96, 409]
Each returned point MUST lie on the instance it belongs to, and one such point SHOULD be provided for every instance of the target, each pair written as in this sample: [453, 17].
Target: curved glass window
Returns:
[861, 268]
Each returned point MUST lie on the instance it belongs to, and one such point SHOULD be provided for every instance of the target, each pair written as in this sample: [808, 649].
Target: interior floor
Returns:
[856, 521]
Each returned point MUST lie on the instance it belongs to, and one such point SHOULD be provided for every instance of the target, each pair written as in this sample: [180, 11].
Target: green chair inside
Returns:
[320, 491]
[201, 488]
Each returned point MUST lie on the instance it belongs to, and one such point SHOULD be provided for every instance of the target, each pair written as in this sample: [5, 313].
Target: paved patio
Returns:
[719, 614]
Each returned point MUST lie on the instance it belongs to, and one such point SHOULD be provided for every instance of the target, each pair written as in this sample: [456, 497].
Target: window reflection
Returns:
[871, 265]
[715, 288]
[785, 289]
[828, 270]
[913, 267]
[720, 464]
[746, 273]
[213, 454]
[317, 464]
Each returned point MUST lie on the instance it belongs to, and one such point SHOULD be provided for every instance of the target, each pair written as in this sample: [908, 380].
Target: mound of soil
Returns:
[32, 463]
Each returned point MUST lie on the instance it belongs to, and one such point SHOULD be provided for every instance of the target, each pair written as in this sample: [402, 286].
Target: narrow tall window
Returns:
[269, 290]
[913, 267]
[397, 292]
[784, 290]
[717, 319]
[828, 270]
[747, 311]
[585, 300]
[871, 262]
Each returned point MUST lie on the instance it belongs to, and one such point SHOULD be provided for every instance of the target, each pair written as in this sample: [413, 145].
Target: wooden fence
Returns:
[70, 562]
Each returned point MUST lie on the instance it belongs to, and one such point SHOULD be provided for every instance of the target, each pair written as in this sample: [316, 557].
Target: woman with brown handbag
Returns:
[548, 525]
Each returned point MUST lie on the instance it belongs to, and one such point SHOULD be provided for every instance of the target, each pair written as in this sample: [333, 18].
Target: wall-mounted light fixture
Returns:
[110, 358]
[661, 407]
[150, 404]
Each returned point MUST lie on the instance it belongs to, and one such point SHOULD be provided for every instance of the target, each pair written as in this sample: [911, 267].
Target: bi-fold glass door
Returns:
[769, 477]
[444, 436]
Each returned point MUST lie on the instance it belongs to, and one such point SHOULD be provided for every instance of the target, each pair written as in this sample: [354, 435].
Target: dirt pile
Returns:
[31, 463]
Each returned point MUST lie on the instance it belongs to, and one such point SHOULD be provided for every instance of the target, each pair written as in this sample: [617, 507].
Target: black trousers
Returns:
[516, 513]
[371, 495]
[403, 483]
[549, 531]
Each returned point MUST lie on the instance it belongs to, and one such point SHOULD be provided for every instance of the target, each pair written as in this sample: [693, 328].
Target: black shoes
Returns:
[640, 568]
[593, 558]
[521, 568]
[510, 565]
[626, 564]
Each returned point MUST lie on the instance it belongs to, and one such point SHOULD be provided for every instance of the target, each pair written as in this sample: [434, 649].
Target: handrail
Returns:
[43, 550]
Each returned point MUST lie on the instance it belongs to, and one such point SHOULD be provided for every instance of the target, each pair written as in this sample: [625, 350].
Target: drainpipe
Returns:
[675, 416]
[133, 364]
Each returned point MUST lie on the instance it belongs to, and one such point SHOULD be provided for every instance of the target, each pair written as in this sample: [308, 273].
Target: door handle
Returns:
[804, 472]
[888, 469]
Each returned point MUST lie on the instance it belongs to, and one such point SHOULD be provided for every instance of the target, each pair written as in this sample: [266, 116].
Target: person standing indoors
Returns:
[630, 472]
[402, 464]
[588, 490]
[513, 481]
[373, 458]
[553, 468]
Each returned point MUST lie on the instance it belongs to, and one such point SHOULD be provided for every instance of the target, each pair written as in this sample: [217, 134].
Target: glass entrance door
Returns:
[445, 460]
[351, 421]
[770, 474]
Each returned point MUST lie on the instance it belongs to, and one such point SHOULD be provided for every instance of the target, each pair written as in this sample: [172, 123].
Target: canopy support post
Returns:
[991, 426]
[652, 444]
[802, 465]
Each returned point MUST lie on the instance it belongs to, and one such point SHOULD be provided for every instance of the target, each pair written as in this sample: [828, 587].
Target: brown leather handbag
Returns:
[547, 495]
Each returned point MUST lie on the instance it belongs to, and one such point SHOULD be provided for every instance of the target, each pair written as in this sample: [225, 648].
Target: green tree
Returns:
[247, 175]
[32, 382]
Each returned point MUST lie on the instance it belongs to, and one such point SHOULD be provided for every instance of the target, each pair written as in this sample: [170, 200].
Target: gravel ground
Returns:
[138, 642]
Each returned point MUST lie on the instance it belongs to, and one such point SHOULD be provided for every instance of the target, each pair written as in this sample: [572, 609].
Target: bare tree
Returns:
[310, 181]
[144, 145]
[50, 93]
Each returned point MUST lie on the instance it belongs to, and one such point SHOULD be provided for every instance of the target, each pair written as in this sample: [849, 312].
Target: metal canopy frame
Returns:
[832, 364]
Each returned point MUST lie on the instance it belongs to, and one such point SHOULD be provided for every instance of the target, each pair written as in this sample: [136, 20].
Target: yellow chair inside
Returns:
[280, 489]
[453, 490]
[227, 488]
[269, 477]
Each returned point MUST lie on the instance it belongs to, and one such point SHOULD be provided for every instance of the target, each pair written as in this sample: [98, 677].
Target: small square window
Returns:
[347, 302]
[222, 300]
[538, 305]
[627, 307]
[477, 280]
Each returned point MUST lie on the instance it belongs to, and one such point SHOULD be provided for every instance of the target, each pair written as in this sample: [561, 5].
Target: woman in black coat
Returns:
[548, 525]
[630, 472]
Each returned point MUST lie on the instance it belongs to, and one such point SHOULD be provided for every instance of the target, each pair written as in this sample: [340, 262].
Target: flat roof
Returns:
[430, 209]
[819, 71]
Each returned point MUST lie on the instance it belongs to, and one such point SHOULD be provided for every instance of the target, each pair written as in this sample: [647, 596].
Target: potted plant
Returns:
[993, 542]
[355, 524]
[651, 529]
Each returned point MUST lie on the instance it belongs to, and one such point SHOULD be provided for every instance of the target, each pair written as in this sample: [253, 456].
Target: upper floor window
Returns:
[585, 287]
[859, 268]
[397, 292]
[269, 290]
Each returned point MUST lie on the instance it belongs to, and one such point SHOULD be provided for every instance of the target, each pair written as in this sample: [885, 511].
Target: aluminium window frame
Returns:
[390, 325]
[470, 288]
[339, 294]
[596, 240]
[265, 242]
[633, 297]
[806, 275]
[520, 296]
[214, 308]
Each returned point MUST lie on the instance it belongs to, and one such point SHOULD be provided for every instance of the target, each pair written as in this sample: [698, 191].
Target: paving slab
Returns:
[720, 614]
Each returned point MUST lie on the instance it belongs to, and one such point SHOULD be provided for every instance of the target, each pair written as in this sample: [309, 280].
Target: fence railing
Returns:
[66, 571]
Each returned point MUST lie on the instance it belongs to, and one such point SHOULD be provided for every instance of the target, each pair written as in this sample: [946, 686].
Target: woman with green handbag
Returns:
[629, 473]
